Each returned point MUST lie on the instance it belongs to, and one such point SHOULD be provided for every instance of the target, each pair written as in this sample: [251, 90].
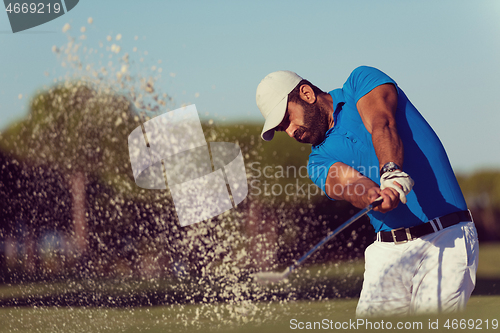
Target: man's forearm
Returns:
[388, 145]
[357, 189]
[358, 193]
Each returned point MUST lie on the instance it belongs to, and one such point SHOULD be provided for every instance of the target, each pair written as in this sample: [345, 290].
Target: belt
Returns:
[403, 235]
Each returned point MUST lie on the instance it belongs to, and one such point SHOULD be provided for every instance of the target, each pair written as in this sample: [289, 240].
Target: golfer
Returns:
[369, 141]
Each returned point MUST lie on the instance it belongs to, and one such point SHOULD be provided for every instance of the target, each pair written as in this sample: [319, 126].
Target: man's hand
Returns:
[399, 181]
[390, 198]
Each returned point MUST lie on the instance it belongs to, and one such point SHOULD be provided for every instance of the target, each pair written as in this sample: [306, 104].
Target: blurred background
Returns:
[73, 89]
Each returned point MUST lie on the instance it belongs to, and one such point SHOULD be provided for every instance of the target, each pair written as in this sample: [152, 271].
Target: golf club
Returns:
[270, 277]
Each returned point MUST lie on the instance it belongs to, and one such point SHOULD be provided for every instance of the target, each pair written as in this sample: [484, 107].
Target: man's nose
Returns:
[290, 130]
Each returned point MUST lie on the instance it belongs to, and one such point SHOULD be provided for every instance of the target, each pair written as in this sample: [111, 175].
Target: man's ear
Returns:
[307, 94]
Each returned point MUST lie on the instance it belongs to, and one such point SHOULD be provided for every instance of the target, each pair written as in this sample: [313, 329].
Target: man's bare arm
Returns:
[378, 112]
[346, 183]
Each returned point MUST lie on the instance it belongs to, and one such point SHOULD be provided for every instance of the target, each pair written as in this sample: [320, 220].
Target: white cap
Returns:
[272, 99]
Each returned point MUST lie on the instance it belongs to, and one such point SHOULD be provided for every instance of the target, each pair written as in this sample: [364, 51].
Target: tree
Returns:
[82, 131]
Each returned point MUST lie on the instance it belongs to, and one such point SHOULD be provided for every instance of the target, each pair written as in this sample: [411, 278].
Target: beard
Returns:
[315, 125]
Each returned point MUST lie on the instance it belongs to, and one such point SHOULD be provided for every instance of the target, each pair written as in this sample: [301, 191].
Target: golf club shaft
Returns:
[360, 214]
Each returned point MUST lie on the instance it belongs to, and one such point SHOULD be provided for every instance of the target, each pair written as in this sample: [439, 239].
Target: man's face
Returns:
[306, 123]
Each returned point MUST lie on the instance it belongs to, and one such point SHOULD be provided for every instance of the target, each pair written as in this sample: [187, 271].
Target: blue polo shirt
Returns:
[436, 191]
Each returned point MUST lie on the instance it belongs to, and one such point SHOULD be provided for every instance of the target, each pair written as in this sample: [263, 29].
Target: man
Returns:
[369, 141]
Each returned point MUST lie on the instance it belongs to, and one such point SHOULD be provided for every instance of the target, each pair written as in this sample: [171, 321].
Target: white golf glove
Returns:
[400, 177]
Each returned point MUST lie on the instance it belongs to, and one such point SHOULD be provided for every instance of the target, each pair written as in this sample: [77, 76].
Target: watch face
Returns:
[388, 167]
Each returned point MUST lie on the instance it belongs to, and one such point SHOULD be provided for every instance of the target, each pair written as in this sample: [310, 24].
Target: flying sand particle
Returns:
[115, 48]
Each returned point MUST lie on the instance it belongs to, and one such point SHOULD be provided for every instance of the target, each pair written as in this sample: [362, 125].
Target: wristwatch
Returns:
[388, 167]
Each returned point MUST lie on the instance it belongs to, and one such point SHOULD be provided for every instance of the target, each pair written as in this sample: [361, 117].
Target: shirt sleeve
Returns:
[318, 166]
[364, 79]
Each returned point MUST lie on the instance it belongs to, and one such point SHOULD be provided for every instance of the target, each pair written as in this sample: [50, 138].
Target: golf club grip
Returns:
[377, 202]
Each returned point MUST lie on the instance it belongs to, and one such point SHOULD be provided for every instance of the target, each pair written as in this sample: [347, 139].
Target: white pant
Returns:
[434, 273]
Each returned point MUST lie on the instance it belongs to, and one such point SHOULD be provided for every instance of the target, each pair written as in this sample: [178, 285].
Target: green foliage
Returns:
[74, 128]
[482, 188]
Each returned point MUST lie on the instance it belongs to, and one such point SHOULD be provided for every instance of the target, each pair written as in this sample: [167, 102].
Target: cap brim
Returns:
[274, 119]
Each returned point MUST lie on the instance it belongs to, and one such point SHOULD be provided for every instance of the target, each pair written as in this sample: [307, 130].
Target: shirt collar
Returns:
[338, 101]
[338, 97]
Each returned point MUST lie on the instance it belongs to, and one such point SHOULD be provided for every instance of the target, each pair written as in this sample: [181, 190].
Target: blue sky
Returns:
[444, 54]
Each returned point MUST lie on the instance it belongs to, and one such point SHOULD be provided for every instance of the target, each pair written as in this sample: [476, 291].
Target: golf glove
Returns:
[400, 177]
